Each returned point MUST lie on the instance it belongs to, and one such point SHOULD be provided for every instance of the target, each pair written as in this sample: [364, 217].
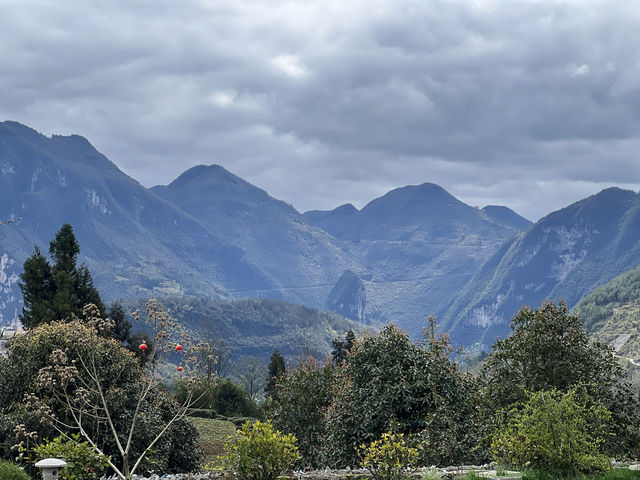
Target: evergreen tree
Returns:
[58, 291]
[342, 348]
[277, 369]
[37, 291]
[121, 326]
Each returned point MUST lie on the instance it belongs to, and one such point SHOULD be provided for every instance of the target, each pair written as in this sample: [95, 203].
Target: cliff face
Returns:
[348, 297]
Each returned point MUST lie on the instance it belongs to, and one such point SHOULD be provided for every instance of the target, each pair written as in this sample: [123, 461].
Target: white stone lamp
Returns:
[50, 468]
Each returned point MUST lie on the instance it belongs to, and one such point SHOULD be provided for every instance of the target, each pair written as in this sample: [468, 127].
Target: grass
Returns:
[213, 435]
[613, 474]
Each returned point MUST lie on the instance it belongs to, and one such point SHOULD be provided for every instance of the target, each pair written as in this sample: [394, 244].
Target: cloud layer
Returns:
[531, 104]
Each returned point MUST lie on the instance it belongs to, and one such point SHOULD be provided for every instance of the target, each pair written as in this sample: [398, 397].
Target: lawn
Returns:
[213, 435]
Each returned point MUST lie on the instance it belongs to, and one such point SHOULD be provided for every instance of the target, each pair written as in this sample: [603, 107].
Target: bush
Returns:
[10, 471]
[388, 457]
[82, 461]
[558, 432]
[260, 453]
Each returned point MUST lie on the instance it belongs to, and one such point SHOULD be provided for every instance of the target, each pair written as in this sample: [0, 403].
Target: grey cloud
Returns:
[528, 104]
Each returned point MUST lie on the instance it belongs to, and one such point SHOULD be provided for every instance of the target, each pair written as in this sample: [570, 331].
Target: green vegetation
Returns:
[68, 375]
[254, 327]
[82, 461]
[299, 406]
[213, 434]
[276, 370]
[557, 432]
[220, 396]
[259, 452]
[610, 315]
[388, 457]
[612, 474]
[11, 471]
[58, 291]
[549, 350]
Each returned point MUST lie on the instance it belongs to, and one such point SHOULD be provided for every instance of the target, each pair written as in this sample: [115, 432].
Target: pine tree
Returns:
[58, 291]
[121, 326]
[277, 369]
[37, 291]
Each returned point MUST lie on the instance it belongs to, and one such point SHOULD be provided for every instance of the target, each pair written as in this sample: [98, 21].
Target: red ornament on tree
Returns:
[178, 348]
[180, 369]
[143, 347]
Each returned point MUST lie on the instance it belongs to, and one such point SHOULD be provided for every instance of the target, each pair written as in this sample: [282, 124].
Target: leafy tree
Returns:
[299, 405]
[276, 369]
[549, 349]
[73, 378]
[342, 348]
[392, 384]
[58, 291]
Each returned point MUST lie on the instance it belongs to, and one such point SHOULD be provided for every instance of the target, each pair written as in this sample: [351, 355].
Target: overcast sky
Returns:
[529, 104]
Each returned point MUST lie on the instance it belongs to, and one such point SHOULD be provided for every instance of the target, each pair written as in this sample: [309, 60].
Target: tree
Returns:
[341, 348]
[299, 405]
[121, 326]
[251, 371]
[214, 356]
[58, 291]
[37, 291]
[277, 370]
[549, 349]
[392, 384]
[78, 380]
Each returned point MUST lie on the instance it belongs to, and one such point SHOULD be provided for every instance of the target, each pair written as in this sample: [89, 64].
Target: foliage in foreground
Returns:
[75, 379]
[83, 463]
[259, 452]
[11, 471]
[553, 431]
[549, 350]
[388, 457]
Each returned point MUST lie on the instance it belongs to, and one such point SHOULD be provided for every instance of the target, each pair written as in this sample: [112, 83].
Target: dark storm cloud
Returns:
[532, 104]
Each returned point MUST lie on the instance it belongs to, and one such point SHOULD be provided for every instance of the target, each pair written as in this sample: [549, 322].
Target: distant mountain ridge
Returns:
[209, 233]
[565, 255]
[417, 246]
[291, 255]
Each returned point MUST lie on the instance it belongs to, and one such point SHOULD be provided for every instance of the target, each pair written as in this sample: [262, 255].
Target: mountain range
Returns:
[413, 252]
[565, 255]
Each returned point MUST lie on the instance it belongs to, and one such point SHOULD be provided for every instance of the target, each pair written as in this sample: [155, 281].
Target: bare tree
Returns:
[213, 357]
[252, 372]
[80, 386]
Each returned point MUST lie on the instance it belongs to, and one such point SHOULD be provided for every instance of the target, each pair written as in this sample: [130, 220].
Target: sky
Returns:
[530, 104]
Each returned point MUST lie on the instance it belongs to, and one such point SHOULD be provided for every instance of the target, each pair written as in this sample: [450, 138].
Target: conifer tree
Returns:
[276, 370]
[58, 291]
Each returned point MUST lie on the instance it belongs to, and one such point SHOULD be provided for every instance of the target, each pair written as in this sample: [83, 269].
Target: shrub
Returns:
[554, 431]
[260, 453]
[388, 457]
[82, 461]
[10, 471]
